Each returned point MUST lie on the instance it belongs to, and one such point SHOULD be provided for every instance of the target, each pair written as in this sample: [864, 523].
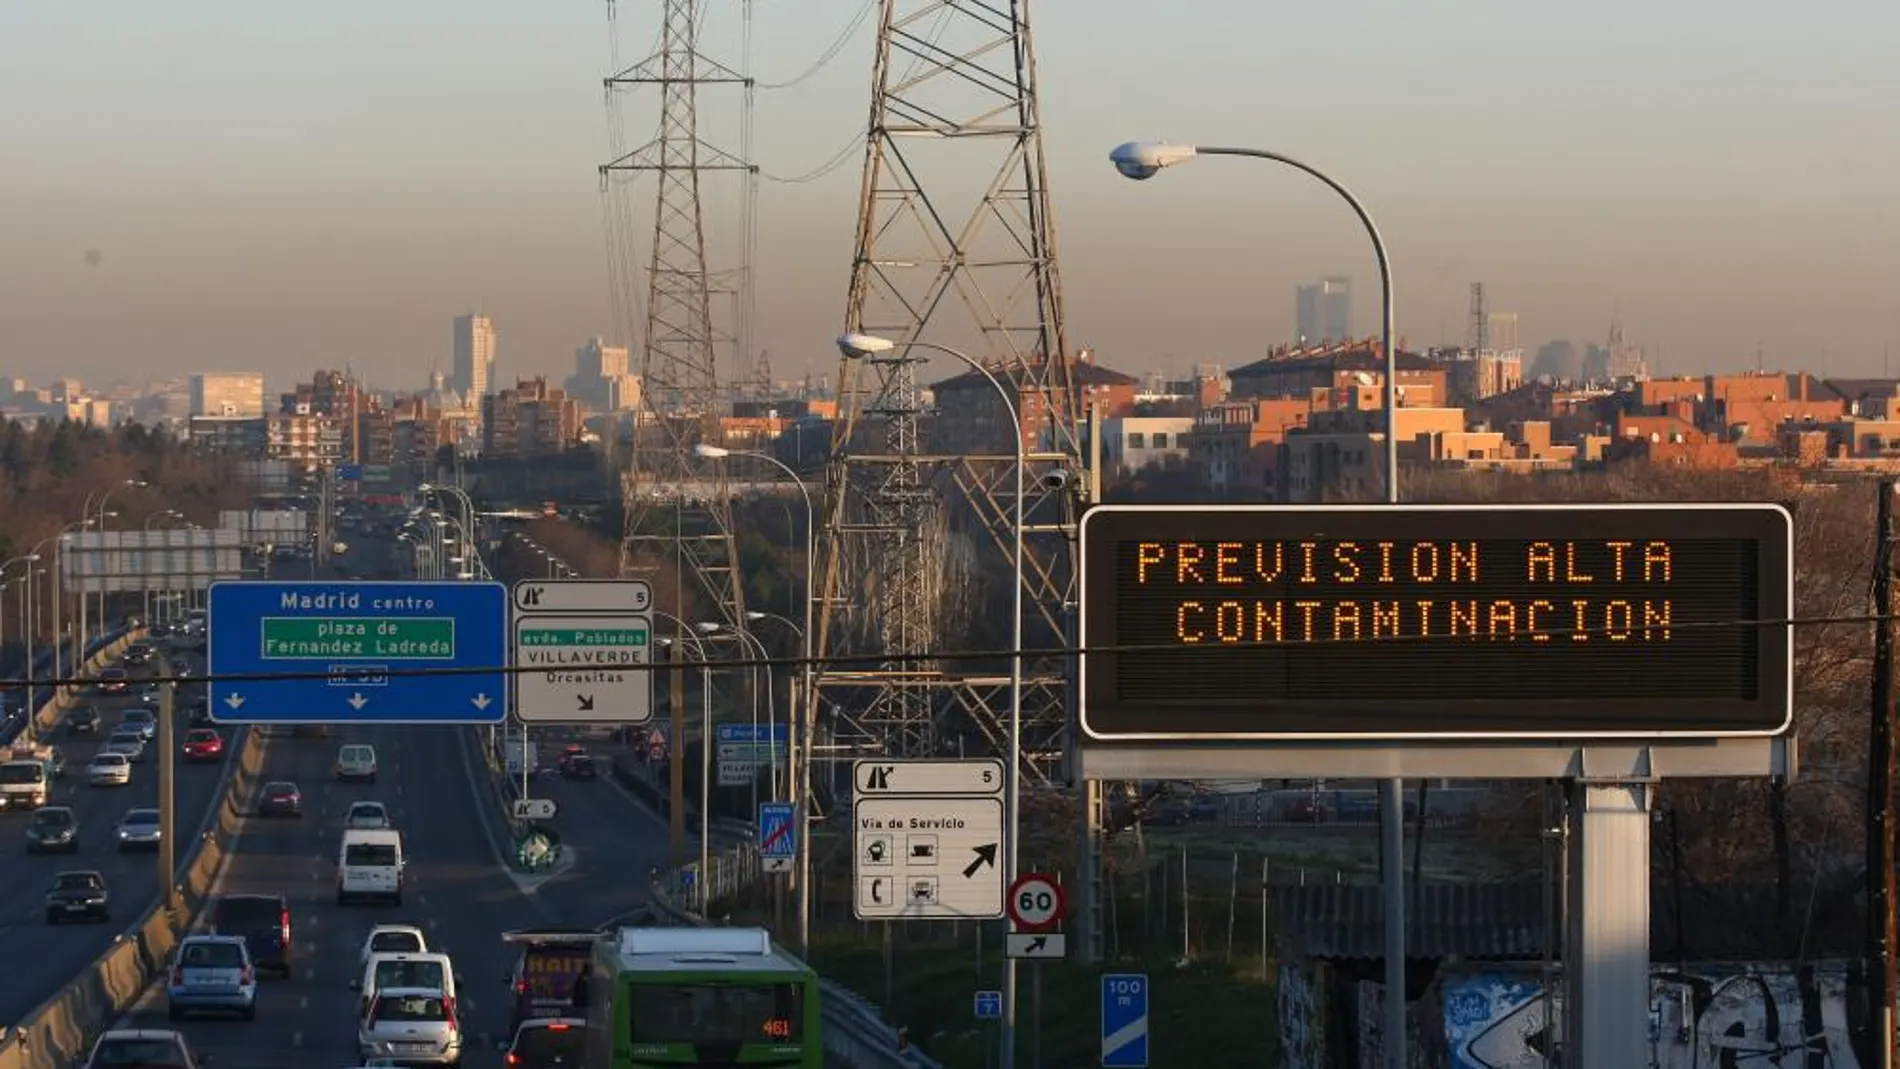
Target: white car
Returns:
[109, 770]
[416, 1025]
[367, 816]
[357, 761]
[393, 939]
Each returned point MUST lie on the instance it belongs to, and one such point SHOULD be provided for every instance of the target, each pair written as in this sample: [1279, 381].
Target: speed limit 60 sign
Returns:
[1035, 902]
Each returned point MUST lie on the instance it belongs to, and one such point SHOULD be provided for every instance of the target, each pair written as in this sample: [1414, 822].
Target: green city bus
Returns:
[709, 997]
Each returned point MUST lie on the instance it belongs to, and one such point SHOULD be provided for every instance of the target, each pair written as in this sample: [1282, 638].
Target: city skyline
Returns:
[1576, 198]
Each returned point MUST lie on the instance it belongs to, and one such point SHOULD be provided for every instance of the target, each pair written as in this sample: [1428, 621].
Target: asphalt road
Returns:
[57, 953]
[459, 892]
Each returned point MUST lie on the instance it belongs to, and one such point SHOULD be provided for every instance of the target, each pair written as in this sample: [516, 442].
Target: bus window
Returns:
[715, 1013]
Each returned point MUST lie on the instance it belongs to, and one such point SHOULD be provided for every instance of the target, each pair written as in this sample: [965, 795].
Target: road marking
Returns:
[305, 1004]
[310, 974]
[421, 901]
[296, 1039]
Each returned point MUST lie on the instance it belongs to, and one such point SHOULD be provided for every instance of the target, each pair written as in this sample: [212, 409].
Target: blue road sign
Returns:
[350, 645]
[736, 733]
[350, 473]
[778, 838]
[989, 1005]
[1125, 1021]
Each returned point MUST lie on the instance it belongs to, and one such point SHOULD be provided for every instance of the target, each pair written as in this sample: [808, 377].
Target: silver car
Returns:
[414, 1025]
[369, 815]
[109, 770]
[140, 830]
[129, 743]
[212, 973]
[144, 720]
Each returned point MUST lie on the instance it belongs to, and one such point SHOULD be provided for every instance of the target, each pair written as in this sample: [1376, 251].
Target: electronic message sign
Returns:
[1287, 622]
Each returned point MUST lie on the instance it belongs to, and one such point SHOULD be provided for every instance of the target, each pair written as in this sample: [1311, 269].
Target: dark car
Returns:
[139, 653]
[263, 922]
[281, 799]
[53, 828]
[83, 720]
[576, 763]
[114, 681]
[549, 1043]
[78, 895]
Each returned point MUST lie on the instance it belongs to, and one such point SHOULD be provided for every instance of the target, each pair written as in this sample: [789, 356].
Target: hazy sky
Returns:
[283, 186]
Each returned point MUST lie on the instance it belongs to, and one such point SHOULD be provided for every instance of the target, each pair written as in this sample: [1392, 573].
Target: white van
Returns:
[370, 865]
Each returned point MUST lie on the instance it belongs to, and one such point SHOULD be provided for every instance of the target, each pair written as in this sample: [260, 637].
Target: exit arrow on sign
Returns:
[357, 701]
[586, 702]
[480, 701]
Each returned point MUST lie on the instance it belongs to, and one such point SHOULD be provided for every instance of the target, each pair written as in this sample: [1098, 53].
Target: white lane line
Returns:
[305, 1003]
[310, 974]
[296, 1039]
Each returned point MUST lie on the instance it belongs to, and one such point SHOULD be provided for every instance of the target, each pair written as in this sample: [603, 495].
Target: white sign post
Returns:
[581, 640]
[926, 840]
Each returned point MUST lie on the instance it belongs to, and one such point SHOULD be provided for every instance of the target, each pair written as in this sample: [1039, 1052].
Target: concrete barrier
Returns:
[47, 717]
[62, 1030]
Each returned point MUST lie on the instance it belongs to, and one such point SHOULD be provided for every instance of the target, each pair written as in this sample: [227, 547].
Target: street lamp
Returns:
[30, 559]
[857, 346]
[691, 635]
[1140, 161]
[104, 499]
[753, 644]
[161, 514]
[804, 704]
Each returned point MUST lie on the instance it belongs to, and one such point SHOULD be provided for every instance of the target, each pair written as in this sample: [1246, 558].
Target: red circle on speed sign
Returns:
[1035, 902]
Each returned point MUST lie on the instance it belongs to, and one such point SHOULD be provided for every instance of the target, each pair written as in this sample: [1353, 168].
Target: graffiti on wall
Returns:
[1718, 1017]
[1302, 1029]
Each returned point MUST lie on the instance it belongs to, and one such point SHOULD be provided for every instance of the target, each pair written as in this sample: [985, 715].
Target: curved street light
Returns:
[1143, 160]
[858, 346]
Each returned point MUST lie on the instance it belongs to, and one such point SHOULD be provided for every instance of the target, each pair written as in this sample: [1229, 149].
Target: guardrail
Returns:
[61, 1030]
[856, 1033]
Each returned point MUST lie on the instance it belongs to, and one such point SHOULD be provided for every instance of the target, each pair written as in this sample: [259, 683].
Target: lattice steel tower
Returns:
[681, 401]
[954, 93]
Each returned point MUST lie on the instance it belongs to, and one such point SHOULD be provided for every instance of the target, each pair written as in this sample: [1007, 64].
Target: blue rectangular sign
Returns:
[778, 837]
[989, 1005]
[350, 473]
[1125, 1021]
[731, 733]
[357, 652]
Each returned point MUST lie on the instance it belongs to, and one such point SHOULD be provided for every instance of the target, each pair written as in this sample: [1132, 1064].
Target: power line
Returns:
[992, 654]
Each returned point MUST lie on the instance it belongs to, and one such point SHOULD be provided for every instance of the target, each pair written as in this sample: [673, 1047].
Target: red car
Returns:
[203, 744]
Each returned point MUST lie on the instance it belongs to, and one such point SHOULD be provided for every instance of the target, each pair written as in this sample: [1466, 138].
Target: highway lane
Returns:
[617, 843]
[59, 952]
[458, 892]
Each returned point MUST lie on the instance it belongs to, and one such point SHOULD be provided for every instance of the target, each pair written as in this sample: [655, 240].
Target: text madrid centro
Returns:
[1555, 590]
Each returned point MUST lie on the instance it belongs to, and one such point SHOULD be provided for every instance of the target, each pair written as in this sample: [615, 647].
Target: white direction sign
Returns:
[1035, 946]
[926, 837]
[737, 773]
[580, 641]
[583, 596]
[535, 809]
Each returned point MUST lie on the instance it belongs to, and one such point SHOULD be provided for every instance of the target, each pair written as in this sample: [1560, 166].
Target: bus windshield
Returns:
[714, 1013]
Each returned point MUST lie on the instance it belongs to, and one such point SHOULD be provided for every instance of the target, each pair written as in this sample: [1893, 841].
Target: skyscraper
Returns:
[1322, 311]
[237, 394]
[474, 357]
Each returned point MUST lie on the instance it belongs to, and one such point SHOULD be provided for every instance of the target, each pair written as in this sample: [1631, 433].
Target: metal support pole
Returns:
[167, 791]
[675, 750]
[1606, 945]
[1091, 877]
[1881, 824]
[705, 783]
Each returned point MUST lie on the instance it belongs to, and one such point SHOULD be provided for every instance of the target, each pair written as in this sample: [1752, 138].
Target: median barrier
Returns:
[62, 1030]
[47, 717]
